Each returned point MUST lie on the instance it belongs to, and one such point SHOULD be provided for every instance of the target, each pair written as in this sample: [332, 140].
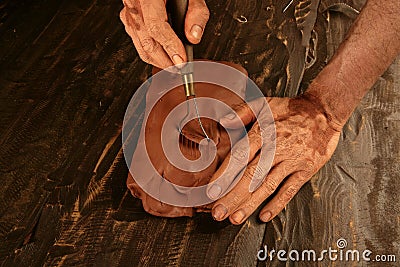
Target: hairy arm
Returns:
[370, 47]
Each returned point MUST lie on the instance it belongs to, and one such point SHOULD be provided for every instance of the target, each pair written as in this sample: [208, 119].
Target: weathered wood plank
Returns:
[67, 74]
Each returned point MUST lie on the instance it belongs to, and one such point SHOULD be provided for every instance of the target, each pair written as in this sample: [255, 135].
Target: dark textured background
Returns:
[68, 71]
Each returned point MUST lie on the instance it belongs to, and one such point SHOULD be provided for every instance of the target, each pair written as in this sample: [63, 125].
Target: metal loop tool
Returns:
[177, 13]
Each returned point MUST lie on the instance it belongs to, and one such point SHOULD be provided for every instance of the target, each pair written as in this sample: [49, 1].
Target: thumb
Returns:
[196, 19]
[244, 113]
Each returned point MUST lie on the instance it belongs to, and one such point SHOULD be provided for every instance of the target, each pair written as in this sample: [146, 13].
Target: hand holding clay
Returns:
[305, 140]
[308, 127]
[150, 144]
[146, 22]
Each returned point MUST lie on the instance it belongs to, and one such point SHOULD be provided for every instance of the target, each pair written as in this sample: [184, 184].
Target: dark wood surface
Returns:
[68, 71]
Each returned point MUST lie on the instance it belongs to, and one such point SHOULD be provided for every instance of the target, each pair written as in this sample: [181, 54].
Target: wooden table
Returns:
[68, 71]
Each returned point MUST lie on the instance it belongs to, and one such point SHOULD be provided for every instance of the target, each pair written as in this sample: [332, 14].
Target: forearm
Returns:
[371, 45]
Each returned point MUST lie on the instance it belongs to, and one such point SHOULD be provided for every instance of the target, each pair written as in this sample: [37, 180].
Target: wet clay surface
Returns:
[189, 142]
[68, 71]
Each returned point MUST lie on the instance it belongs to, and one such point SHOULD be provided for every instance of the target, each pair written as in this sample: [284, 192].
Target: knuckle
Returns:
[304, 178]
[254, 172]
[205, 13]
[134, 11]
[150, 210]
[128, 3]
[154, 207]
[309, 166]
[201, 8]
[250, 172]
[148, 45]
[134, 190]
[252, 169]
[249, 112]
[169, 46]
[154, 28]
[254, 136]
[130, 20]
[145, 57]
[239, 106]
[246, 108]
[236, 199]
[288, 194]
[268, 131]
[253, 202]
[240, 155]
[270, 186]
[122, 15]
[259, 172]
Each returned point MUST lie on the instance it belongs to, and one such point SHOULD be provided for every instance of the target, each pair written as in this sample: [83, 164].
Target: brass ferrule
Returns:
[188, 84]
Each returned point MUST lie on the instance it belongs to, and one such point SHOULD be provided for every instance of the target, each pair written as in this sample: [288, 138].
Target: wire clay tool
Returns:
[177, 13]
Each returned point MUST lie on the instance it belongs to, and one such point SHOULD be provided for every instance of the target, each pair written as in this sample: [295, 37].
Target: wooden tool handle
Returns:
[177, 13]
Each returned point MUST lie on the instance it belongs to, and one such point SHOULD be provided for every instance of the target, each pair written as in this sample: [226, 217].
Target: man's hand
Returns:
[308, 127]
[305, 140]
[146, 22]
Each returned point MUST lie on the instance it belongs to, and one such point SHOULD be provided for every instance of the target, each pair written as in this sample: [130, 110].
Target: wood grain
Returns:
[68, 71]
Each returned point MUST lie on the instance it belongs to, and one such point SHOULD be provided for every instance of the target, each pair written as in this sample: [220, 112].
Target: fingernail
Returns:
[266, 216]
[227, 119]
[230, 116]
[177, 59]
[196, 31]
[135, 194]
[214, 191]
[219, 212]
[238, 216]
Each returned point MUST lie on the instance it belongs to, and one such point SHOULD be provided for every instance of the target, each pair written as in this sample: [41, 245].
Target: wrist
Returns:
[318, 96]
[340, 87]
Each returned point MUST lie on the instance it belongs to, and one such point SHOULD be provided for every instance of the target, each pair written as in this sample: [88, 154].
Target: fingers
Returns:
[242, 153]
[154, 206]
[226, 205]
[146, 21]
[285, 194]
[196, 19]
[245, 113]
[157, 208]
[148, 49]
[156, 21]
[239, 203]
